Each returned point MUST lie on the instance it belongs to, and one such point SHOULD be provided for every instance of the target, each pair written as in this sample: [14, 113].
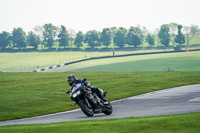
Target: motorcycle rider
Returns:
[72, 80]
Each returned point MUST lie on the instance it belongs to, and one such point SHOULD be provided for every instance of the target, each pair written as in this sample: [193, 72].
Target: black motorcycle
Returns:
[88, 101]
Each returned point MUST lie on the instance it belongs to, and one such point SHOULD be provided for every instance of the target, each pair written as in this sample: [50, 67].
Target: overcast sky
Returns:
[85, 15]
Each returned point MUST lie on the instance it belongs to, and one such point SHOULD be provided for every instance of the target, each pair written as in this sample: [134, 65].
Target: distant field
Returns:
[161, 64]
[22, 62]
[28, 61]
[181, 123]
[186, 61]
[32, 94]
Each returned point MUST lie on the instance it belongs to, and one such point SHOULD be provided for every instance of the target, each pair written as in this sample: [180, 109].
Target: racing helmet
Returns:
[71, 79]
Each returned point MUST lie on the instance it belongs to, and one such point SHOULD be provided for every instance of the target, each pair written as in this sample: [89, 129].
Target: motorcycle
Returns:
[88, 101]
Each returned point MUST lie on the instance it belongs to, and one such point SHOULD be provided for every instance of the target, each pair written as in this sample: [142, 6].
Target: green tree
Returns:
[19, 38]
[120, 37]
[144, 33]
[190, 33]
[92, 38]
[134, 36]
[33, 40]
[164, 35]
[105, 37]
[38, 30]
[113, 31]
[173, 31]
[180, 38]
[156, 38]
[63, 37]
[4, 39]
[79, 39]
[150, 39]
[72, 36]
[49, 34]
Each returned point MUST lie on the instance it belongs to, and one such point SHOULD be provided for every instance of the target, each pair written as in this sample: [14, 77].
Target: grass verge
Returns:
[174, 63]
[32, 94]
[182, 123]
[186, 61]
[23, 62]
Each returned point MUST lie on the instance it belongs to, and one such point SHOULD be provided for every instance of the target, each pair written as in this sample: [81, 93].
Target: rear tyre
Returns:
[108, 109]
[87, 109]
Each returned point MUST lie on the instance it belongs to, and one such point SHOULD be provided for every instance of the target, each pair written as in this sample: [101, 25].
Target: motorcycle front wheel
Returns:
[108, 109]
[86, 108]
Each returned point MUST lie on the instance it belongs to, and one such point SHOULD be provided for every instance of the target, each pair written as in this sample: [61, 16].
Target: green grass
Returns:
[14, 62]
[195, 40]
[183, 123]
[31, 94]
[21, 62]
[186, 61]
[177, 63]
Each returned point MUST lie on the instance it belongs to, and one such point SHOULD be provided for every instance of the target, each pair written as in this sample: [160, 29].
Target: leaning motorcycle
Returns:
[88, 101]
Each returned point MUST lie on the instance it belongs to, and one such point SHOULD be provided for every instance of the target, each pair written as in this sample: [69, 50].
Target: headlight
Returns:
[76, 94]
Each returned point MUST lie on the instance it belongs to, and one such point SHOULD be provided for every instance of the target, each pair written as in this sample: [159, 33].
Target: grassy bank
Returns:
[14, 62]
[31, 94]
[158, 64]
[187, 61]
[184, 123]
[21, 62]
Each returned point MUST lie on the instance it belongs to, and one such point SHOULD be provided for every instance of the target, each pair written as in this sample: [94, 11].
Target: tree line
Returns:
[48, 35]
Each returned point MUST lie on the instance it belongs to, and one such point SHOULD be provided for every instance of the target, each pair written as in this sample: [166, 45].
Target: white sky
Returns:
[85, 15]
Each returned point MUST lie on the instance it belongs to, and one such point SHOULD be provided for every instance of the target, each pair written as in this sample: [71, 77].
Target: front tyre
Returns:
[108, 109]
[86, 108]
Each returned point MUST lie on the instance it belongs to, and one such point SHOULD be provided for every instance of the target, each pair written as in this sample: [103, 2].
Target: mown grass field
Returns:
[15, 62]
[174, 63]
[182, 123]
[23, 62]
[25, 95]
[185, 61]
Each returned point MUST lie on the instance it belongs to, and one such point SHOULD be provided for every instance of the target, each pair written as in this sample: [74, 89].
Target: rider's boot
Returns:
[100, 94]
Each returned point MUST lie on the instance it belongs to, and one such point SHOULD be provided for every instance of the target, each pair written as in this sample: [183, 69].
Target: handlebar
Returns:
[84, 80]
[68, 91]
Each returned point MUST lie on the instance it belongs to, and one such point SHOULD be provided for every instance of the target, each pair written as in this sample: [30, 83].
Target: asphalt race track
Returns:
[177, 100]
